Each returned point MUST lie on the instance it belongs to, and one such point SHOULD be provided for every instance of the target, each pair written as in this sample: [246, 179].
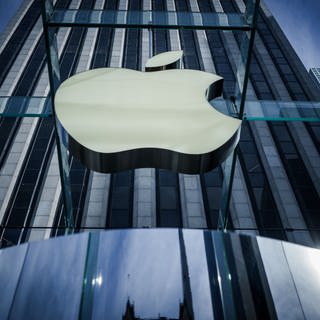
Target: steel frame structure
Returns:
[246, 23]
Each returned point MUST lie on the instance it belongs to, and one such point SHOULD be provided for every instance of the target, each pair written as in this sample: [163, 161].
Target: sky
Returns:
[299, 19]
[7, 10]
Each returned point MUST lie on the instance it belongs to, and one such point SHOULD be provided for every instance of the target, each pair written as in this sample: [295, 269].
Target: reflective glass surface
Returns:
[199, 276]
[50, 282]
[282, 110]
[150, 283]
[10, 273]
[242, 71]
[304, 264]
[15, 106]
[255, 110]
[250, 9]
[282, 285]
[157, 274]
[273, 110]
[149, 19]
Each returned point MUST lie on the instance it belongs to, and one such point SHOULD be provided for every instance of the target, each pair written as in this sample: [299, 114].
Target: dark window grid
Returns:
[226, 66]
[254, 166]
[24, 87]
[303, 187]
[211, 202]
[120, 204]
[288, 148]
[260, 193]
[189, 44]
[25, 195]
[168, 199]
[281, 62]
[13, 47]
[68, 65]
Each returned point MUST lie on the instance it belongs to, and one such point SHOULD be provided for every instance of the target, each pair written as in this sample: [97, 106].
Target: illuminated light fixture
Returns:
[117, 119]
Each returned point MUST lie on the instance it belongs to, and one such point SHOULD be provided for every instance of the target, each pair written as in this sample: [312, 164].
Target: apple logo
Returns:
[116, 119]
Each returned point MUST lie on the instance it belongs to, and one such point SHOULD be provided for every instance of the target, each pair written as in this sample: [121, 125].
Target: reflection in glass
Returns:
[282, 286]
[52, 279]
[304, 264]
[150, 284]
[198, 273]
[11, 264]
[160, 274]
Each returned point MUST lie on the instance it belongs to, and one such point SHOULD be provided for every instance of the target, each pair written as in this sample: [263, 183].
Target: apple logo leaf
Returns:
[164, 61]
[116, 119]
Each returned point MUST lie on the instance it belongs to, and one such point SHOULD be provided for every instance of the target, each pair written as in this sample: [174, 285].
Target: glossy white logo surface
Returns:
[112, 110]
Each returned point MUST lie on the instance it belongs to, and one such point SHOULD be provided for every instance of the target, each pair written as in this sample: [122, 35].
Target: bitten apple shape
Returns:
[117, 119]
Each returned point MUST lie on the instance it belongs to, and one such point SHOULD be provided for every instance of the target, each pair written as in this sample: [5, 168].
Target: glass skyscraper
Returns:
[315, 75]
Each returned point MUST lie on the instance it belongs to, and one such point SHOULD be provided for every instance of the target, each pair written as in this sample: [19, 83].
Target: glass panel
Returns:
[260, 291]
[228, 168]
[148, 19]
[273, 110]
[279, 278]
[52, 273]
[240, 278]
[11, 263]
[304, 264]
[50, 36]
[266, 110]
[64, 168]
[54, 69]
[198, 273]
[224, 275]
[251, 6]
[148, 285]
[25, 107]
[242, 72]
[225, 106]
[150, 274]
[282, 110]
[48, 7]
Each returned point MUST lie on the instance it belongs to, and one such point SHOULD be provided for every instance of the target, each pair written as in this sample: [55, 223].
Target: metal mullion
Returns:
[229, 169]
[54, 80]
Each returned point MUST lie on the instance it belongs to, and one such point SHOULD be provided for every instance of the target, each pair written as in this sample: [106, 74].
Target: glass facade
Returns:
[276, 173]
[270, 186]
[160, 274]
[315, 75]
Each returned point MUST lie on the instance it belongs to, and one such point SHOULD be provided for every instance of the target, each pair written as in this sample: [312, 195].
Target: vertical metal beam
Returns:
[228, 174]
[246, 52]
[54, 80]
[242, 78]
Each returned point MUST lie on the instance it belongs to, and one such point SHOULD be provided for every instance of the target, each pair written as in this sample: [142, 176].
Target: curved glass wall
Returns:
[160, 274]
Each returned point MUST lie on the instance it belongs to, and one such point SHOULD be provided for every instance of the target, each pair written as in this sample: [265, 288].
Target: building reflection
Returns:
[184, 314]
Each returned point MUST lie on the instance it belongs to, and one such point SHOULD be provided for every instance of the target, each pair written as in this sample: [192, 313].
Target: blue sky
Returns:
[7, 9]
[300, 21]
